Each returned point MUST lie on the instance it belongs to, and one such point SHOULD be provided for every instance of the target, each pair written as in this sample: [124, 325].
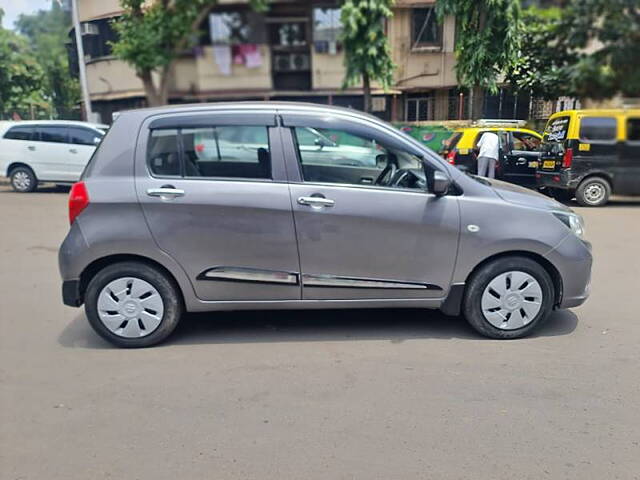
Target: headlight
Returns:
[573, 221]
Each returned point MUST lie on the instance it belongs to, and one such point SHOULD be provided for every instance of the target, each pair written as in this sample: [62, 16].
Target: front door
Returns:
[628, 181]
[52, 155]
[219, 207]
[521, 156]
[389, 240]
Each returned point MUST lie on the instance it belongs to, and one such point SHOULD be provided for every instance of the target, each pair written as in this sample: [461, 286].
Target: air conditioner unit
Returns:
[291, 62]
[300, 61]
[89, 29]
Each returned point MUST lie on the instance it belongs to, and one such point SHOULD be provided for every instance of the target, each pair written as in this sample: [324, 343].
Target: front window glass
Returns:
[633, 130]
[601, 129]
[337, 156]
[525, 142]
[83, 136]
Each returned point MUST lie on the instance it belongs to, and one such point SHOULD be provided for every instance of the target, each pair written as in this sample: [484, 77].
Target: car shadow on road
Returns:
[395, 325]
[46, 188]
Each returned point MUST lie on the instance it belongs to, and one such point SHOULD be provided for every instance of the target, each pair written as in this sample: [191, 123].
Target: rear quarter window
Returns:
[598, 129]
[21, 133]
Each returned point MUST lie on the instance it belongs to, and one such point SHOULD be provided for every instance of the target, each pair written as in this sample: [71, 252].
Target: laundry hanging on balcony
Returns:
[222, 57]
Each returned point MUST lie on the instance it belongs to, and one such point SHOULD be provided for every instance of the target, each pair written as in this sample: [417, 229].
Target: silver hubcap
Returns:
[21, 181]
[594, 193]
[511, 300]
[130, 307]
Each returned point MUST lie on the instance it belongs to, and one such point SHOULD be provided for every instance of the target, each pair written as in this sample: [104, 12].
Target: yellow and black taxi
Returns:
[591, 154]
[519, 150]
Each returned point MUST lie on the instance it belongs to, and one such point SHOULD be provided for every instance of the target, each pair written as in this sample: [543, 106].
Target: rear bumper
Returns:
[563, 179]
[71, 293]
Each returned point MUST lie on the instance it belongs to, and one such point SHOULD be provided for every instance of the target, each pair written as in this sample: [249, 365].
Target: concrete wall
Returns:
[92, 9]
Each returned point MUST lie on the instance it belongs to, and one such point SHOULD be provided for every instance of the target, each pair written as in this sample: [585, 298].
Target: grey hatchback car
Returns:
[177, 211]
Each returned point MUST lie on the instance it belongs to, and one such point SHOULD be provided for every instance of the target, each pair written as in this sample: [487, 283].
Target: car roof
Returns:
[65, 123]
[597, 111]
[303, 107]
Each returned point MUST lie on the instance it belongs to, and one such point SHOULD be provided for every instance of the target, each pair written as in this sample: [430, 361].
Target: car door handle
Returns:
[521, 161]
[73, 150]
[166, 191]
[31, 147]
[316, 201]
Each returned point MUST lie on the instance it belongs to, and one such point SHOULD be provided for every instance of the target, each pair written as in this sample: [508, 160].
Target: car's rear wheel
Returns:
[23, 179]
[132, 304]
[508, 297]
[593, 192]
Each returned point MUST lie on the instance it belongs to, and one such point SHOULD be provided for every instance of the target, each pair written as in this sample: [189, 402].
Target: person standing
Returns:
[489, 145]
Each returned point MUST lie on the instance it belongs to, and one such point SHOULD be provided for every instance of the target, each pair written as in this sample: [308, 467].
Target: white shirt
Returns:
[489, 145]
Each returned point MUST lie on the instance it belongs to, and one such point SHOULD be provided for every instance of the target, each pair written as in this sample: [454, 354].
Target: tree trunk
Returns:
[366, 87]
[150, 90]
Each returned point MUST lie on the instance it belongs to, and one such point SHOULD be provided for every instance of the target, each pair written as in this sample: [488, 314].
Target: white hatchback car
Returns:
[46, 151]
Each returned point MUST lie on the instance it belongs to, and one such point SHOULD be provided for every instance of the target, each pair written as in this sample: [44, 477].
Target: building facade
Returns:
[292, 52]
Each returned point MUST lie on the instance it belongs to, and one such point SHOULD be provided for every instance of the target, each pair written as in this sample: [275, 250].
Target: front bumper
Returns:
[573, 260]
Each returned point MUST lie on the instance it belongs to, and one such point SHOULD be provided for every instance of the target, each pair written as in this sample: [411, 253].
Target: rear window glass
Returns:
[21, 133]
[556, 130]
[633, 129]
[84, 136]
[451, 142]
[216, 151]
[598, 129]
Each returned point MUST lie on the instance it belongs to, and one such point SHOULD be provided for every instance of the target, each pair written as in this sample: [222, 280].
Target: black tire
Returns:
[23, 180]
[584, 193]
[171, 298]
[480, 279]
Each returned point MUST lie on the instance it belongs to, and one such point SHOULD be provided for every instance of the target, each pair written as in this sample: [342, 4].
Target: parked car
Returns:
[591, 154]
[46, 151]
[519, 150]
[156, 231]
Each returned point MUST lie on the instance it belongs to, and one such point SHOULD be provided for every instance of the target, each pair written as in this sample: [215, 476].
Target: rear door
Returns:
[521, 158]
[54, 159]
[221, 211]
[19, 144]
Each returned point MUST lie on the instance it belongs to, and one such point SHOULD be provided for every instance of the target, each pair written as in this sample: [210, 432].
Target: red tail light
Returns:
[451, 157]
[78, 200]
[567, 160]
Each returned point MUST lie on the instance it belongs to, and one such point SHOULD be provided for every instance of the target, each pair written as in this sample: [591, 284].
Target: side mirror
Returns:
[441, 184]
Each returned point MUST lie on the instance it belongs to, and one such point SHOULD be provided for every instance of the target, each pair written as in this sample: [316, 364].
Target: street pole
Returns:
[86, 100]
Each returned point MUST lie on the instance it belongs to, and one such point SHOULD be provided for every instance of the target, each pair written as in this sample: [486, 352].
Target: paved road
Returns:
[333, 395]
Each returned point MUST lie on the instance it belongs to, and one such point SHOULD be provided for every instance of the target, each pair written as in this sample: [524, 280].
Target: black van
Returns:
[591, 154]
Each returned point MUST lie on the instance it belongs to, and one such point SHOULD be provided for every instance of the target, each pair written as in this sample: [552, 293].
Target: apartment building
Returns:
[292, 52]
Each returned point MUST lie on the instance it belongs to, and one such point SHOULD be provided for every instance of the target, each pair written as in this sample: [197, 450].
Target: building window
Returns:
[327, 29]
[425, 31]
[228, 28]
[419, 109]
[97, 37]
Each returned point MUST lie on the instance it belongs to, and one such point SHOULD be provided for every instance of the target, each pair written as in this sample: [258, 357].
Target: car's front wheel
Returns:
[508, 297]
[132, 304]
[23, 179]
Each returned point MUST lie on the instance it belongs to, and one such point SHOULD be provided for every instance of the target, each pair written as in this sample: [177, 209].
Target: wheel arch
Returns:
[596, 173]
[97, 265]
[452, 305]
[13, 165]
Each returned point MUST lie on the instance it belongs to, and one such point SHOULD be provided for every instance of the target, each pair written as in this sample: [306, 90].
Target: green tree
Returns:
[366, 47]
[21, 77]
[47, 32]
[487, 42]
[151, 37]
[586, 50]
